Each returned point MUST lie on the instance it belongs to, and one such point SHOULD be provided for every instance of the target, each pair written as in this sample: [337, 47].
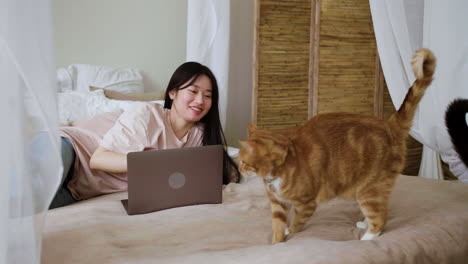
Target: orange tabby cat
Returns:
[337, 154]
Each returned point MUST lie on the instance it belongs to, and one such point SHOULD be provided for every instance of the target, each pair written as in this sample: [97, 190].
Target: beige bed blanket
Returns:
[428, 223]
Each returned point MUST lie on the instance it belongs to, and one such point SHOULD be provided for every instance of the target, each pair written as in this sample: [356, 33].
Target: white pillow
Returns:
[124, 80]
[64, 80]
[76, 105]
[71, 106]
[233, 152]
[98, 103]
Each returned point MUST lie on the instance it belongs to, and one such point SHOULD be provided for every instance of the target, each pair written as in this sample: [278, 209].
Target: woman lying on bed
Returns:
[97, 147]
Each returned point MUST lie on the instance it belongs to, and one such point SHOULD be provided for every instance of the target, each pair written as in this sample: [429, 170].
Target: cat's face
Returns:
[249, 158]
[262, 152]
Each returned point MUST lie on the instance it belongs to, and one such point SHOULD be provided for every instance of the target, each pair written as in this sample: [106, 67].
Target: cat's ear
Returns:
[246, 145]
[251, 128]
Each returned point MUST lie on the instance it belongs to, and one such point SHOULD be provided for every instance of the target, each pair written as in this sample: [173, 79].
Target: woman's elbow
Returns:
[92, 162]
[108, 161]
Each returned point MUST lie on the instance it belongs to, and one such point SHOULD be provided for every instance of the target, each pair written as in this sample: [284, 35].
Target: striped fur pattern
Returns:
[334, 155]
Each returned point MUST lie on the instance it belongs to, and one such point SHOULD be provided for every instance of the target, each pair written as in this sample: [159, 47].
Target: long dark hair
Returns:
[213, 132]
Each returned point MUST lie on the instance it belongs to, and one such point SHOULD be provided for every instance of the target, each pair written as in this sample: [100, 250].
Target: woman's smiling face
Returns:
[193, 102]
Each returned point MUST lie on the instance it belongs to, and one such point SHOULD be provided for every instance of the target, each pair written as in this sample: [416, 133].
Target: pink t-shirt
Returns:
[146, 126]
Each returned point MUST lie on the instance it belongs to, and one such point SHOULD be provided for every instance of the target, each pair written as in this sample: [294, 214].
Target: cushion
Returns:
[144, 97]
[71, 107]
[76, 105]
[64, 80]
[78, 77]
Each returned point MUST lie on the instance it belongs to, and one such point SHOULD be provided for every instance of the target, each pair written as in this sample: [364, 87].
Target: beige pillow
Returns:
[148, 96]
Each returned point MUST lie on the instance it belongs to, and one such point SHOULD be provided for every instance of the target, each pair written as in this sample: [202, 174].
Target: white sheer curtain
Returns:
[208, 42]
[30, 163]
[401, 27]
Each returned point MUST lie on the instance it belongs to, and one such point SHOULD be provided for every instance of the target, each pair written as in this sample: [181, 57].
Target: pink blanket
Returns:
[428, 223]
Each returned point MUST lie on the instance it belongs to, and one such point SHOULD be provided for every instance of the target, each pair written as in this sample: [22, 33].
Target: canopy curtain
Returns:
[208, 42]
[30, 162]
[401, 27]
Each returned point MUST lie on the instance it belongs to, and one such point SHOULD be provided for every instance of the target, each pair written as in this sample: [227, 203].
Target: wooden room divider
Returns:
[318, 56]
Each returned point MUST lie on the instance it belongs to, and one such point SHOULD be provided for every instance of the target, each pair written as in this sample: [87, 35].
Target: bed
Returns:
[428, 219]
[428, 223]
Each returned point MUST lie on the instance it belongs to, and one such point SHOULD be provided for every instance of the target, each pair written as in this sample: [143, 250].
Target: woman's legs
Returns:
[63, 196]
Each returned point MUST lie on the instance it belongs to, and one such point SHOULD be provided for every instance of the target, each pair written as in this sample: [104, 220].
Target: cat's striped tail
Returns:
[457, 126]
[423, 64]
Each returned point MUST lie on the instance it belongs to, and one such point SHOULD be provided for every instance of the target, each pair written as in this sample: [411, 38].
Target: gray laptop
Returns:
[163, 179]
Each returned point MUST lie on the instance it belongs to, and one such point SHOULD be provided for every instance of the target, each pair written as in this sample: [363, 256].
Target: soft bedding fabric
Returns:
[78, 77]
[428, 223]
[75, 105]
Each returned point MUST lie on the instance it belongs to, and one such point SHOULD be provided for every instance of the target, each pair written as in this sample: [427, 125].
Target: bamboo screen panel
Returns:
[282, 63]
[347, 57]
[344, 66]
[388, 107]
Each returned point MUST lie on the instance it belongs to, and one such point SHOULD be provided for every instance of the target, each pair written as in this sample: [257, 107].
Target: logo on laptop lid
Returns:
[176, 180]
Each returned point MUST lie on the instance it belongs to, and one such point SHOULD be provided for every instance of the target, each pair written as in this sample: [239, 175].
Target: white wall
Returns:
[239, 106]
[146, 34]
[151, 35]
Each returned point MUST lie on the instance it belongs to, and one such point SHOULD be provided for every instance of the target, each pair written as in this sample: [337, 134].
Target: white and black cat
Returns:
[456, 121]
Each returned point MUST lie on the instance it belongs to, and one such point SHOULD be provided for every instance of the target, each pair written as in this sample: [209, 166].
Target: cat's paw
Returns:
[295, 228]
[279, 235]
[369, 236]
[361, 224]
[278, 239]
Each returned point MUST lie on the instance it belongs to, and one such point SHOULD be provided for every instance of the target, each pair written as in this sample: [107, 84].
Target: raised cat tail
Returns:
[457, 126]
[423, 65]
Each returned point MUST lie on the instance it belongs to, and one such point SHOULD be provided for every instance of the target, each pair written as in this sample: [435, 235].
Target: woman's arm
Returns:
[108, 161]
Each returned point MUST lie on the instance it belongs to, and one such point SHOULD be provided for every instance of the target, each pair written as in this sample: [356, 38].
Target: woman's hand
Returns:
[108, 161]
